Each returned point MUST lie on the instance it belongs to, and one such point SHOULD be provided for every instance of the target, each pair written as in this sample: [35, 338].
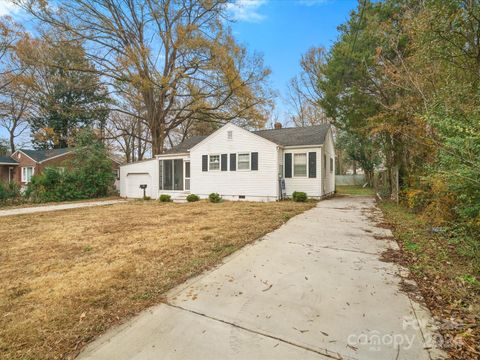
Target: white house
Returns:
[263, 165]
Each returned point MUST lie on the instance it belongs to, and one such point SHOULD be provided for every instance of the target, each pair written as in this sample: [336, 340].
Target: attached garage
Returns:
[134, 180]
[140, 173]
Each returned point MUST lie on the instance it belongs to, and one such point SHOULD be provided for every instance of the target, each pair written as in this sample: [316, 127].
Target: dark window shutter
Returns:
[254, 159]
[204, 162]
[224, 159]
[233, 162]
[312, 164]
[288, 165]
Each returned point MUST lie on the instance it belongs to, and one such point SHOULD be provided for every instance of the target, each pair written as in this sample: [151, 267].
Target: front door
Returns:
[187, 175]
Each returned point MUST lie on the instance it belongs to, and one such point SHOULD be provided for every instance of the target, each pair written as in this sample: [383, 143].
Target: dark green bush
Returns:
[299, 196]
[9, 192]
[214, 198]
[165, 198]
[192, 198]
[88, 175]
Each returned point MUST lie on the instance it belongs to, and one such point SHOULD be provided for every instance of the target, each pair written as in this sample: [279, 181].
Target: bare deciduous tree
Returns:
[15, 102]
[303, 94]
[128, 135]
[10, 33]
[178, 56]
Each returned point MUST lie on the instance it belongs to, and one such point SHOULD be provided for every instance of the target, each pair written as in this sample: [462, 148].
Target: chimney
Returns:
[278, 125]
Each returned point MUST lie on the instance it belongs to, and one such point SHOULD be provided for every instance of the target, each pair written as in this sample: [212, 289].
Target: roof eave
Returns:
[173, 154]
[302, 146]
[56, 156]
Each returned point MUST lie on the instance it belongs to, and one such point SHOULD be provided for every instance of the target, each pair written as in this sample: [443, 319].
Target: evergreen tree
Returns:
[69, 96]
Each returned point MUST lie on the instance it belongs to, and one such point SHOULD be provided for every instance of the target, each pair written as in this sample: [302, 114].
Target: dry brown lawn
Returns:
[68, 276]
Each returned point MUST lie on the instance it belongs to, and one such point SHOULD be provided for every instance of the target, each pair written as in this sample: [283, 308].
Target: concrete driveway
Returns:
[313, 289]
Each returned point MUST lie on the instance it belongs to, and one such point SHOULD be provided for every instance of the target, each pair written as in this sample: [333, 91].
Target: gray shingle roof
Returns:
[41, 155]
[297, 136]
[185, 145]
[7, 160]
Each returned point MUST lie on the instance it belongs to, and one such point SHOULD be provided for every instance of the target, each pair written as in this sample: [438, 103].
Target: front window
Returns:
[214, 162]
[300, 165]
[27, 173]
[244, 161]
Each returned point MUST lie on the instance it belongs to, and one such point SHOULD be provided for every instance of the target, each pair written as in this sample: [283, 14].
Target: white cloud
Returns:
[246, 10]
[7, 7]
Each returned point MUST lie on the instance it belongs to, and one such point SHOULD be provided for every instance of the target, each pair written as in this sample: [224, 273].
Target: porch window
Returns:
[300, 165]
[167, 174]
[214, 162]
[244, 161]
[27, 173]
[171, 174]
[178, 174]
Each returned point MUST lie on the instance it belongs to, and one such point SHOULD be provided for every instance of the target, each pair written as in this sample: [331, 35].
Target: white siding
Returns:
[260, 185]
[143, 167]
[311, 186]
[329, 175]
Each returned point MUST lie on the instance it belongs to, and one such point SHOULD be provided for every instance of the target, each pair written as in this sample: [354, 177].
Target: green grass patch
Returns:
[355, 190]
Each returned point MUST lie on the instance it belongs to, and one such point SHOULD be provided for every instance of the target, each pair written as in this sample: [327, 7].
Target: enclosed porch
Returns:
[174, 176]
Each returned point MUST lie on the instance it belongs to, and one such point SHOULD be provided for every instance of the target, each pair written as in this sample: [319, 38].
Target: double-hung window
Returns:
[214, 162]
[300, 165]
[27, 173]
[244, 161]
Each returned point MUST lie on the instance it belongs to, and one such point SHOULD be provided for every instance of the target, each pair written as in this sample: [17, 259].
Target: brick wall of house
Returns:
[25, 161]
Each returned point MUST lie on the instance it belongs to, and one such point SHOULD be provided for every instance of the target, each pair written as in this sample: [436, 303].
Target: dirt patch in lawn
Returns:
[68, 276]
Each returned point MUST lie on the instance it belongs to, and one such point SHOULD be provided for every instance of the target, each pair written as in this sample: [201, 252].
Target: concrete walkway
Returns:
[313, 289]
[46, 208]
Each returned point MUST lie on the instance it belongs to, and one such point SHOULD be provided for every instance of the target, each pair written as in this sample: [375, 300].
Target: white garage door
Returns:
[134, 180]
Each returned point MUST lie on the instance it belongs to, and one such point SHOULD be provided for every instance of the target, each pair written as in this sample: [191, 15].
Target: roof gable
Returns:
[42, 155]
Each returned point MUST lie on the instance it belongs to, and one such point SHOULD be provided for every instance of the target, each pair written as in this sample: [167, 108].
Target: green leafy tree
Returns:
[66, 99]
[361, 149]
[92, 166]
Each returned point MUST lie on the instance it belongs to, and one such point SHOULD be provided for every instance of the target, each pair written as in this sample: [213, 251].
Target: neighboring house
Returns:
[239, 164]
[23, 164]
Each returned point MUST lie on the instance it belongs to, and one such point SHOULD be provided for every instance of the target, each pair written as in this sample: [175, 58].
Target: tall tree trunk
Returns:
[12, 140]
[158, 138]
[139, 141]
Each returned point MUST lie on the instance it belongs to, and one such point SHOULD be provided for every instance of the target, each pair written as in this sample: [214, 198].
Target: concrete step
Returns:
[180, 198]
